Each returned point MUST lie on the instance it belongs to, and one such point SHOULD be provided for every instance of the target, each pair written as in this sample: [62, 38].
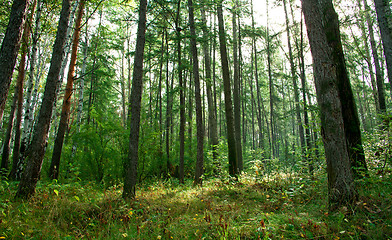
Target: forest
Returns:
[210, 119]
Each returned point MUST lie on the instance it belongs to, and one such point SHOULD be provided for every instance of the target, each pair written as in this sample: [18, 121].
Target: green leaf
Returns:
[56, 192]
[77, 198]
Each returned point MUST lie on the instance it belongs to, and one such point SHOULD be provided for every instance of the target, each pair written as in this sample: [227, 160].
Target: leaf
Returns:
[56, 192]
[77, 198]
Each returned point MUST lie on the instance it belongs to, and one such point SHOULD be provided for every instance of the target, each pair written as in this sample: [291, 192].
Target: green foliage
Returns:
[101, 151]
[284, 206]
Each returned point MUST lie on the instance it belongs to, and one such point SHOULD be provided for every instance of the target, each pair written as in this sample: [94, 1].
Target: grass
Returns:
[284, 207]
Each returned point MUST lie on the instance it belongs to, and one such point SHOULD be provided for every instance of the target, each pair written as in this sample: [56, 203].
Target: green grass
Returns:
[284, 207]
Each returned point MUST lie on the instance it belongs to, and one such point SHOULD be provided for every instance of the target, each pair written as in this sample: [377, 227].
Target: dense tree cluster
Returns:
[191, 89]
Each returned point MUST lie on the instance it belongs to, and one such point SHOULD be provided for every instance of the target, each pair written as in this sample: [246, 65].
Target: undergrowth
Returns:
[282, 207]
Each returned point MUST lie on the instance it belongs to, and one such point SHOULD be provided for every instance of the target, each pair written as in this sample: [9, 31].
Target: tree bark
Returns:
[383, 11]
[65, 111]
[199, 111]
[68, 49]
[379, 76]
[236, 92]
[212, 122]
[295, 84]
[37, 149]
[232, 152]
[10, 47]
[259, 99]
[130, 168]
[349, 108]
[28, 118]
[20, 85]
[182, 94]
[7, 139]
[340, 178]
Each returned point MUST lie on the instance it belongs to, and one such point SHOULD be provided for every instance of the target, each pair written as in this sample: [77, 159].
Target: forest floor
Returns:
[283, 207]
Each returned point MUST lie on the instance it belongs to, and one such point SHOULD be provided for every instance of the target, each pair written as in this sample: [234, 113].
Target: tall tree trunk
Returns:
[253, 102]
[10, 47]
[295, 85]
[199, 114]
[130, 168]
[65, 111]
[7, 139]
[159, 94]
[28, 118]
[212, 122]
[379, 76]
[273, 124]
[236, 92]
[243, 90]
[190, 112]
[68, 44]
[301, 60]
[383, 10]
[231, 144]
[259, 99]
[38, 146]
[182, 94]
[20, 85]
[349, 108]
[340, 178]
[169, 90]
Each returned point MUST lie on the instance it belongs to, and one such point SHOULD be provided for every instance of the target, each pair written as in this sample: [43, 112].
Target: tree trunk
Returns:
[231, 144]
[169, 89]
[28, 118]
[212, 123]
[340, 179]
[199, 111]
[182, 95]
[20, 82]
[190, 113]
[259, 99]
[273, 124]
[68, 44]
[379, 76]
[130, 168]
[63, 124]
[349, 109]
[243, 90]
[38, 146]
[383, 11]
[236, 92]
[295, 85]
[301, 60]
[7, 139]
[10, 47]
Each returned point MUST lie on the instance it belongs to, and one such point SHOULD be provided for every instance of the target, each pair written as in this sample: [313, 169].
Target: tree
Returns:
[295, 84]
[231, 144]
[10, 47]
[383, 10]
[7, 139]
[199, 114]
[28, 109]
[349, 109]
[182, 94]
[341, 189]
[36, 154]
[212, 122]
[236, 91]
[65, 111]
[17, 165]
[130, 168]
